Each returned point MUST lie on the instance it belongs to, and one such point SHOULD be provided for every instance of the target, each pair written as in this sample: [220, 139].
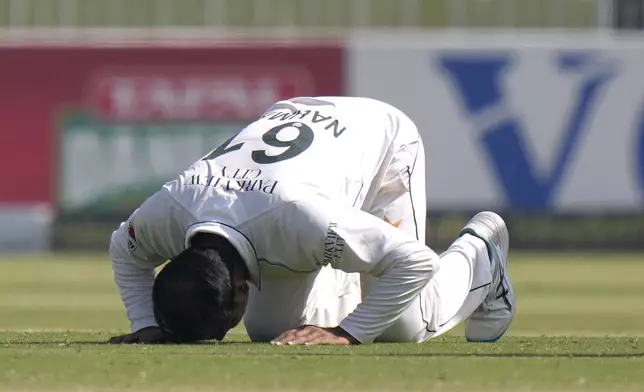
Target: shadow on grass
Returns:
[51, 343]
[265, 350]
[484, 355]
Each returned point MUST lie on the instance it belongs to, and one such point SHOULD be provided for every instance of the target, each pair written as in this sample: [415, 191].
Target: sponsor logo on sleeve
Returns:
[333, 245]
[132, 244]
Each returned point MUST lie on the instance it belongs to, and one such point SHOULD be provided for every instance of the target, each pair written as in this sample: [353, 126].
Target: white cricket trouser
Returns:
[462, 282]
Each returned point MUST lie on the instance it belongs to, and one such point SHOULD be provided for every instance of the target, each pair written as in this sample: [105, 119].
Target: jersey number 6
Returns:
[293, 147]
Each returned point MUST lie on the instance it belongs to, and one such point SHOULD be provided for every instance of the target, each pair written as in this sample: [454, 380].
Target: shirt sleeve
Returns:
[411, 268]
[134, 263]
[354, 241]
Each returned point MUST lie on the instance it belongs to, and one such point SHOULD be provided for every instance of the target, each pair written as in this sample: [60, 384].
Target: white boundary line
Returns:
[399, 38]
[164, 37]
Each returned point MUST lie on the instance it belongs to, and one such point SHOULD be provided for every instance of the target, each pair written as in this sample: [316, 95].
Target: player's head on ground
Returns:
[202, 293]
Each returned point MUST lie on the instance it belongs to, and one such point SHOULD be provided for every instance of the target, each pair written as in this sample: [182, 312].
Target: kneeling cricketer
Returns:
[309, 224]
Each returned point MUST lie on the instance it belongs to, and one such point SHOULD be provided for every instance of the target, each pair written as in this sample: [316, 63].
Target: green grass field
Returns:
[579, 326]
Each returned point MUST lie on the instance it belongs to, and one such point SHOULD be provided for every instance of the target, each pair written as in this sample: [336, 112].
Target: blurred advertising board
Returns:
[547, 129]
[517, 123]
[116, 122]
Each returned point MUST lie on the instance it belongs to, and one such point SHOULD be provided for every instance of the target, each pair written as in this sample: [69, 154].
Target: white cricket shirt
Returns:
[287, 192]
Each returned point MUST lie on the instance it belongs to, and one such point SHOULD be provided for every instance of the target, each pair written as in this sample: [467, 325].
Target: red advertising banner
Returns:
[47, 92]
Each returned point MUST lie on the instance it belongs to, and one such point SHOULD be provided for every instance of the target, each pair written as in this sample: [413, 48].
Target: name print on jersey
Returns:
[244, 180]
[333, 245]
[291, 118]
[314, 116]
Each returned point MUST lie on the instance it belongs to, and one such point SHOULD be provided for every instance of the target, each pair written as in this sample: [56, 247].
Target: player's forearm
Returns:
[135, 286]
[392, 294]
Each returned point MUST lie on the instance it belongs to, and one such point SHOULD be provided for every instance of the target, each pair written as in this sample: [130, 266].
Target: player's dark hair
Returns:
[193, 295]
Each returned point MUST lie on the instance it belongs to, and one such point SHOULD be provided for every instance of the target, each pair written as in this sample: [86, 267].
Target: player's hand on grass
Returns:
[311, 335]
[149, 335]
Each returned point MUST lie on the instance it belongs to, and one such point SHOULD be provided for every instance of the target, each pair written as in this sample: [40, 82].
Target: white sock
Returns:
[471, 284]
[453, 280]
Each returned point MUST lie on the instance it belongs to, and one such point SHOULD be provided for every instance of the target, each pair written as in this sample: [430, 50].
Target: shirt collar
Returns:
[237, 239]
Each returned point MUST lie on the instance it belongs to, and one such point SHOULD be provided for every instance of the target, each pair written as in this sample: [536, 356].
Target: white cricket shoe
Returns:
[493, 317]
